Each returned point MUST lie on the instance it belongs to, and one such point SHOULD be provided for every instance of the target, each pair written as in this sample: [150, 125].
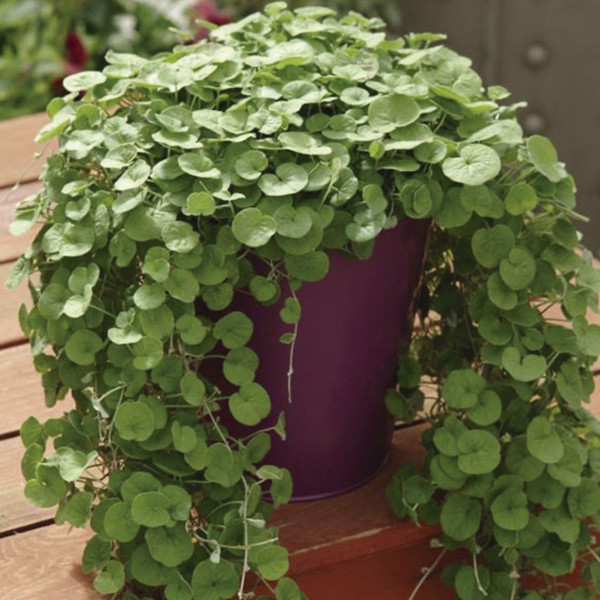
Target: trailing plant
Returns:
[235, 166]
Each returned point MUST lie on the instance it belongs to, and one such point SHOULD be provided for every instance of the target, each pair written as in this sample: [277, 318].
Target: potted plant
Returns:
[194, 188]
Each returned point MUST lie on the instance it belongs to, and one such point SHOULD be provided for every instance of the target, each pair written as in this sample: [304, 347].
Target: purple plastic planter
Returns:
[354, 324]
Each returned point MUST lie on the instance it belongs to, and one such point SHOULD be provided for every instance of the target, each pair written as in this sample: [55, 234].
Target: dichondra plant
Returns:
[284, 137]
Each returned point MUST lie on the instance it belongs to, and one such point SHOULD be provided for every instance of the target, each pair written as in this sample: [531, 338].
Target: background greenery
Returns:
[42, 41]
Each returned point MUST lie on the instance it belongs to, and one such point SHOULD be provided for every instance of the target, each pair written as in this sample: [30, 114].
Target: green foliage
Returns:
[42, 41]
[509, 454]
[234, 167]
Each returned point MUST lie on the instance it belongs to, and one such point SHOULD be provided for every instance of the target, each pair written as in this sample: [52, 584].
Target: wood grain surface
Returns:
[21, 393]
[45, 564]
[17, 150]
[15, 511]
[10, 301]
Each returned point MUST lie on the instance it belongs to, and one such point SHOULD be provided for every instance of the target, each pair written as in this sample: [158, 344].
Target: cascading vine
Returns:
[284, 137]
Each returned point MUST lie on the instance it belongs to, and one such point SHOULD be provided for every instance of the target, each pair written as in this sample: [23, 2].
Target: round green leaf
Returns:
[289, 178]
[197, 165]
[292, 222]
[119, 524]
[263, 289]
[500, 294]
[240, 365]
[79, 509]
[252, 228]
[312, 266]
[490, 246]
[519, 460]
[528, 368]
[150, 509]
[233, 330]
[83, 81]
[545, 490]
[179, 236]
[83, 346]
[214, 581]
[223, 465]
[543, 156]
[460, 516]
[468, 586]
[137, 483]
[446, 437]
[462, 388]
[509, 509]
[584, 500]
[474, 165]
[517, 269]
[134, 421]
[191, 329]
[111, 579]
[481, 200]
[148, 352]
[182, 285]
[250, 405]
[479, 452]
[272, 562]
[149, 296]
[431, 152]
[520, 198]
[387, 113]
[303, 143]
[487, 410]
[134, 177]
[200, 204]
[251, 164]
[170, 545]
[494, 330]
[543, 441]
[193, 389]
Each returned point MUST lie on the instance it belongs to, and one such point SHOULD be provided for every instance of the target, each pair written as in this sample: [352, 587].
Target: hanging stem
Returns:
[290, 372]
[476, 573]
[428, 571]
[245, 567]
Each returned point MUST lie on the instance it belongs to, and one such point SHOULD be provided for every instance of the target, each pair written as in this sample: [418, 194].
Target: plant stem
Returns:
[426, 574]
[476, 573]
[246, 539]
[290, 372]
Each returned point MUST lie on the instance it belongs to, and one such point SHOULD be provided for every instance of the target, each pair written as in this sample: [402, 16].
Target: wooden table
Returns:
[349, 547]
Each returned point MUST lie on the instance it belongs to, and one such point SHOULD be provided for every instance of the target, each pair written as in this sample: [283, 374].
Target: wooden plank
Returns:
[17, 151]
[357, 525]
[10, 246]
[389, 575]
[21, 393]
[15, 510]
[45, 563]
[10, 301]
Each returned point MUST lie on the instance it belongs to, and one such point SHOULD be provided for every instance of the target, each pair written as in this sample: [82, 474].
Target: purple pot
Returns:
[354, 324]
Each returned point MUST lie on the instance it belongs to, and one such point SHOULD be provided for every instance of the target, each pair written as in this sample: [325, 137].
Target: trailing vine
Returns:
[287, 136]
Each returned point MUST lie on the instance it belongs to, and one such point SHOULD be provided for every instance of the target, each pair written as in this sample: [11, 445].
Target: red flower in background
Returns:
[76, 58]
[75, 52]
[208, 10]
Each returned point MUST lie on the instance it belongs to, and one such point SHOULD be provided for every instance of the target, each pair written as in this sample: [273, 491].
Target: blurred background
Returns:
[543, 51]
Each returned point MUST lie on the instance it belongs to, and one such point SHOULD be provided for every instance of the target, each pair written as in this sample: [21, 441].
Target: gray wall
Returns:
[546, 52]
